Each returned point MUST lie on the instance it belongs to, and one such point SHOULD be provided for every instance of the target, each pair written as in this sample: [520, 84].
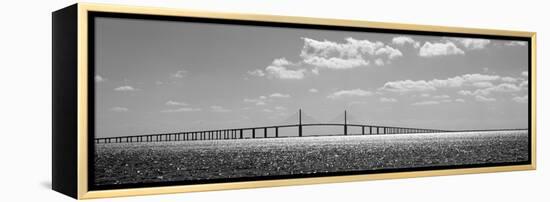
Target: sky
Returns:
[162, 76]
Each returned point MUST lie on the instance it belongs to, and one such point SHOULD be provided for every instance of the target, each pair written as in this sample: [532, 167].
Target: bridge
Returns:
[241, 133]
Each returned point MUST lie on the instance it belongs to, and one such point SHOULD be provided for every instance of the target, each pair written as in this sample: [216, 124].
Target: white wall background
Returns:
[25, 105]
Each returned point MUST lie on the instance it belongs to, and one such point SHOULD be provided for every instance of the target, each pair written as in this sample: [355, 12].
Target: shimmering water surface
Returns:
[126, 163]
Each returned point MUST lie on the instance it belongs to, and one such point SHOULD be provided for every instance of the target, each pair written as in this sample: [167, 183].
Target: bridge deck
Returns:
[239, 133]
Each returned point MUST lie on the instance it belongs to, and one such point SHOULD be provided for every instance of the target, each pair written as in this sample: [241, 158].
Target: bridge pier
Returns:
[265, 132]
[276, 131]
[253, 133]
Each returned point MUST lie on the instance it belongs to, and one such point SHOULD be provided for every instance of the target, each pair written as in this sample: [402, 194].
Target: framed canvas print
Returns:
[151, 100]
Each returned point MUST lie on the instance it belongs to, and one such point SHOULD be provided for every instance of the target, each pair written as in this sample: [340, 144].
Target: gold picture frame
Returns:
[77, 186]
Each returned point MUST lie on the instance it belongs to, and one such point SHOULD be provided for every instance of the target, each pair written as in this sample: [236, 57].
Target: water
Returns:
[127, 163]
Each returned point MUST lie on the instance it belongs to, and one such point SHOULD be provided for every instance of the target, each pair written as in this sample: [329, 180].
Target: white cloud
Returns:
[216, 108]
[183, 109]
[256, 72]
[280, 108]
[351, 54]
[388, 100]
[520, 99]
[125, 88]
[267, 110]
[439, 49]
[509, 79]
[281, 62]
[315, 71]
[501, 88]
[407, 86]
[389, 51]
[349, 93]
[431, 85]
[313, 90]
[98, 78]
[441, 97]
[255, 101]
[460, 100]
[279, 69]
[279, 95]
[180, 74]
[482, 84]
[472, 44]
[482, 98]
[119, 109]
[335, 63]
[516, 43]
[402, 40]
[431, 102]
[176, 103]
[379, 62]
[525, 73]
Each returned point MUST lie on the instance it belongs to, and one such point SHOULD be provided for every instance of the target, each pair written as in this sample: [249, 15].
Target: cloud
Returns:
[256, 72]
[402, 40]
[408, 86]
[520, 99]
[279, 69]
[431, 102]
[404, 86]
[119, 109]
[279, 95]
[281, 62]
[180, 74]
[267, 110]
[315, 71]
[460, 100]
[349, 93]
[280, 108]
[335, 63]
[183, 109]
[125, 88]
[98, 79]
[482, 84]
[509, 79]
[176, 103]
[351, 54]
[472, 44]
[390, 52]
[216, 108]
[501, 88]
[255, 101]
[313, 90]
[379, 62]
[439, 49]
[441, 97]
[482, 98]
[516, 43]
[388, 100]
[525, 73]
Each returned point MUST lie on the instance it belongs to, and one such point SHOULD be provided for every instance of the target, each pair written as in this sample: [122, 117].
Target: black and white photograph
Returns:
[190, 101]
